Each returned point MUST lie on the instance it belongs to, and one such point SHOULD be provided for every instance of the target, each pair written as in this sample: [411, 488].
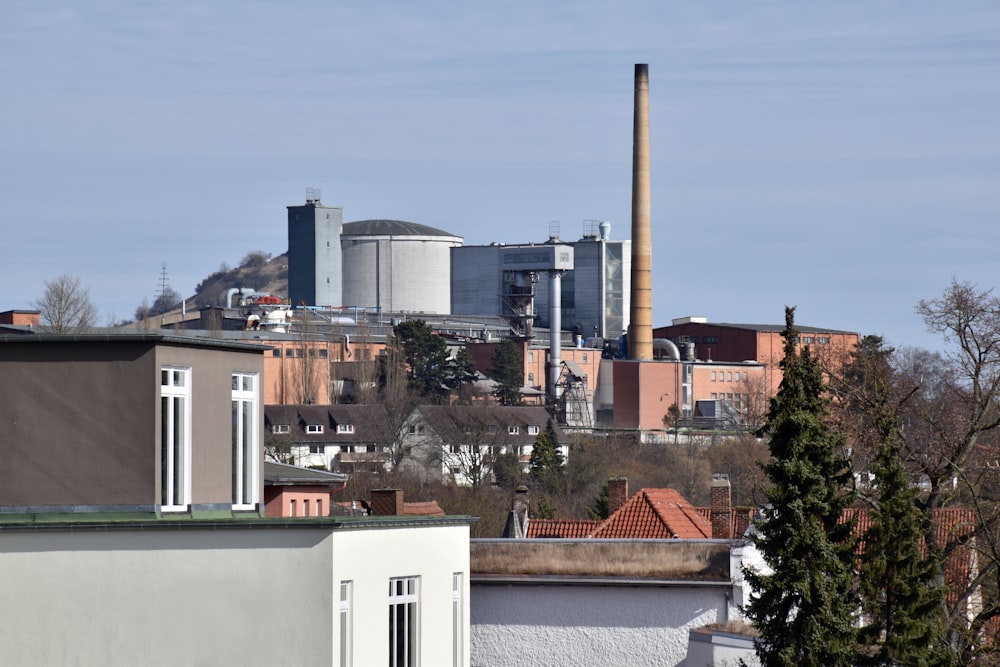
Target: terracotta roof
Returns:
[561, 529]
[655, 514]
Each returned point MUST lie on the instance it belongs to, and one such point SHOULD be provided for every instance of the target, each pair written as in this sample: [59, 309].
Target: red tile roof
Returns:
[562, 529]
[655, 514]
[649, 514]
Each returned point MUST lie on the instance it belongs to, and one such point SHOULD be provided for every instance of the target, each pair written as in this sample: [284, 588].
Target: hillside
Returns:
[258, 271]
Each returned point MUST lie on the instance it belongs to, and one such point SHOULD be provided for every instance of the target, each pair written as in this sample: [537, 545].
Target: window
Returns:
[314, 428]
[531, 357]
[491, 429]
[415, 429]
[710, 339]
[317, 449]
[245, 440]
[345, 428]
[323, 353]
[175, 438]
[513, 429]
[281, 428]
[729, 376]
[806, 340]
[823, 340]
[584, 357]
[533, 429]
[403, 596]
[276, 352]
[744, 377]
[456, 619]
[291, 507]
[713, 376]
[531, 379]
[305, 507]
[319, 507]
[714, 396]
[346, 629]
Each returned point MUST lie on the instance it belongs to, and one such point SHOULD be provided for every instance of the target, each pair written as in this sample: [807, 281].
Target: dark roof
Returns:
[368, 422]
[391, 228]
[284, 474]
[133, 337]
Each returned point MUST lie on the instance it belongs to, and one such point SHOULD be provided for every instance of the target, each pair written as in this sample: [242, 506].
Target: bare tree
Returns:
[951, 428]
[65, 306]
[472, 437]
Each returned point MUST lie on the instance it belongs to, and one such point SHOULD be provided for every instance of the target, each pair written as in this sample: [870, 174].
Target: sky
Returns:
[839, 157]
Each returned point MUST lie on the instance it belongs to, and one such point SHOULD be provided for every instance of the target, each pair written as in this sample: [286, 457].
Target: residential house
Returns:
[463, 441]
[341, 438]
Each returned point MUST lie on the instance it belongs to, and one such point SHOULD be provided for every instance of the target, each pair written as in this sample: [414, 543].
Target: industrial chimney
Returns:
[640, 331]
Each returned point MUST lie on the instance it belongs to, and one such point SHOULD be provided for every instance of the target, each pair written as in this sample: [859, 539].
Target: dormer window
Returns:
[513, 429]
[345, 428]
[314, 428]
[281, 428]
[533, 429]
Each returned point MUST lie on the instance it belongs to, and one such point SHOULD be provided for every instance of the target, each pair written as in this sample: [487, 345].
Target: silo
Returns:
[397, 266]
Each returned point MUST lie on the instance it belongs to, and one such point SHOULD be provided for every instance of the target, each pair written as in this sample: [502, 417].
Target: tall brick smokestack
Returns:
[640, 330]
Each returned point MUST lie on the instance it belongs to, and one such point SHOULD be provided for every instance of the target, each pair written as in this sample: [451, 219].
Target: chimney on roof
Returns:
[722, 507]
[617, 493]
[517, 520]
[387, 502]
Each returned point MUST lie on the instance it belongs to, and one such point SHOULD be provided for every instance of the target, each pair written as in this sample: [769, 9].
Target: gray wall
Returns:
[314, 255]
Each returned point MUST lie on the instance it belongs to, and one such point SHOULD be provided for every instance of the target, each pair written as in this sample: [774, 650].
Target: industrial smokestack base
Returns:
[640, 331]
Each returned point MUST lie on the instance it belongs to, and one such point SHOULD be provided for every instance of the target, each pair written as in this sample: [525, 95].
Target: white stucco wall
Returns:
[249, 596]
[526, 624]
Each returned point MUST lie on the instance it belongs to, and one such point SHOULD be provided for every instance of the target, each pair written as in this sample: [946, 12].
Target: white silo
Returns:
[397, 266]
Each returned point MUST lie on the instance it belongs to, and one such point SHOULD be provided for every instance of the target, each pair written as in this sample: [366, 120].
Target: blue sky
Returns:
[842, 157]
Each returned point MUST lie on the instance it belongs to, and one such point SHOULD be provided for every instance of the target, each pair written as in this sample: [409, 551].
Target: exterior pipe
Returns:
[555, 332]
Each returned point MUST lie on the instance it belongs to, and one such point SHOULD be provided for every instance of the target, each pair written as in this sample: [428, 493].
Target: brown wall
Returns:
[77, 424]
[80, 420]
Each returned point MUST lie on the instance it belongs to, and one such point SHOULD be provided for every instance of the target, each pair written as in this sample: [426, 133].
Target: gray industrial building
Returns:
[314, 254]
[397, 266]
[594, 294]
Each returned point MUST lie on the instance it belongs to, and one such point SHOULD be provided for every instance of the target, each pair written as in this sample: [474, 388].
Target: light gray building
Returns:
[394, 266]
[314, 256]
[595, 293]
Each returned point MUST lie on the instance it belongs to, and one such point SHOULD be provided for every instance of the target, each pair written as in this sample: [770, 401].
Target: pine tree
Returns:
[546, 464]
[903, 609]
[803, 606]
[507, 368]
[427, 358]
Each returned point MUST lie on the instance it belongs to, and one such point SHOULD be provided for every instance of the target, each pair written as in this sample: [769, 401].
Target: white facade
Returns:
[565, 624]
[224, 593]
[397, 266]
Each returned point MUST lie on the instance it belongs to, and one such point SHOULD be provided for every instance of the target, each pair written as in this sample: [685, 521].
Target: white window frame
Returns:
[533, 429]
[314, 429]
[246, 439]
[457, 618]
[346, 624]
[404, 615]
[513, 429]
[345, 428]
[280, 429]
[175, 447]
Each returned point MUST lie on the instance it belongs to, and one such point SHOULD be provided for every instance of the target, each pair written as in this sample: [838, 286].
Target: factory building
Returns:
[594, 294]
[396, 266]
[314, 256]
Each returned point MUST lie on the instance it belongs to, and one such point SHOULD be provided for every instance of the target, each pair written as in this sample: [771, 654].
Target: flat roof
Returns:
[151, 338]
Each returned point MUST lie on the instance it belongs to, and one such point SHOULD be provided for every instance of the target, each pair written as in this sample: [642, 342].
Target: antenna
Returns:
[164, 281]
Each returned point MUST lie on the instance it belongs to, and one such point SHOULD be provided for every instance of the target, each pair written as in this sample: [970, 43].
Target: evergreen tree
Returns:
[461, 370]
[426, 357]
[507, 369]
[803, 606]
[601, 507]
[903, 609]
[546, 464]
